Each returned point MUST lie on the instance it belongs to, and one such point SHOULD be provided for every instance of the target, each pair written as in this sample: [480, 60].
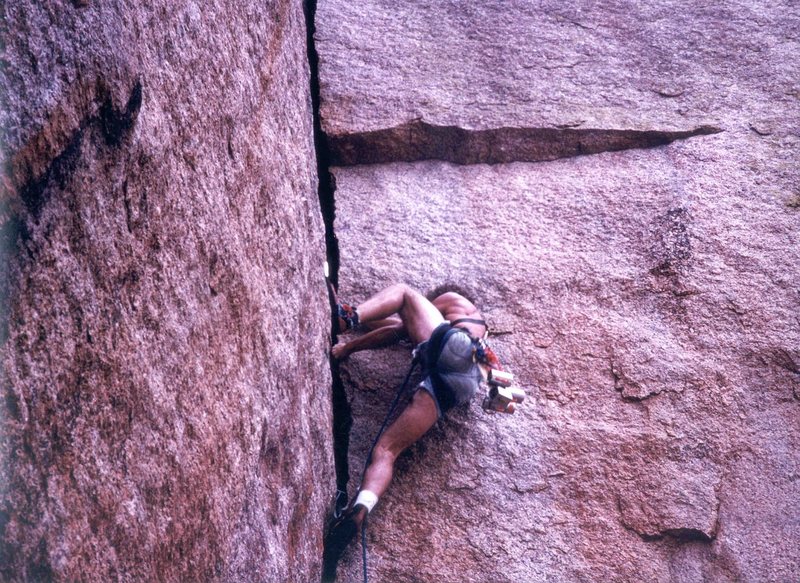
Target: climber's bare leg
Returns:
[415, 420]
[420, 318]
[376, 338]
[418, 314]
[393, 320]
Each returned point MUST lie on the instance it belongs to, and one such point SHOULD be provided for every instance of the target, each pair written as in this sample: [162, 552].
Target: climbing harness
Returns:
[469, 321]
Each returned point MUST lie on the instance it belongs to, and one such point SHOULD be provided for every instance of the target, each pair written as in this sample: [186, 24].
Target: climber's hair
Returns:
[449, 287]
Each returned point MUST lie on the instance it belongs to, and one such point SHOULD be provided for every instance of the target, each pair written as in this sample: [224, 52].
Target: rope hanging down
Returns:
[364, 546]
[392, 407]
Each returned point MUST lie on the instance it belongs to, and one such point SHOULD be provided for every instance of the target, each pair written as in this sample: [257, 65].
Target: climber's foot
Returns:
[358, 515]
[341, 532]
[348, 317]
[339, 351]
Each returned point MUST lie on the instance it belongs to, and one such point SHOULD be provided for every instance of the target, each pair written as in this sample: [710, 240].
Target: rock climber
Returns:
[446, 332]
[390, 330]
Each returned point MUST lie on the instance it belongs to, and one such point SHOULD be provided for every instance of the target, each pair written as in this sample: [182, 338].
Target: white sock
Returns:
[367, 499]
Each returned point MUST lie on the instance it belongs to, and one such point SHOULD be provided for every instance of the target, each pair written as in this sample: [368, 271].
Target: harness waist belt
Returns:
[468, 321]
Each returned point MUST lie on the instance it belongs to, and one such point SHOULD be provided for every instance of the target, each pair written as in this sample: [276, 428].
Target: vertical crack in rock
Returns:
[327, 184]
[342, 416]
[418, 140]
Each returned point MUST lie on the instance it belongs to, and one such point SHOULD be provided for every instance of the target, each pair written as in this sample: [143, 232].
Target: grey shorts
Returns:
[460, 376]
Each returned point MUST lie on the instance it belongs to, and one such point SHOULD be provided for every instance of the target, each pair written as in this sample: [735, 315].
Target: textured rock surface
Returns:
[166, 407]
[487, 65]
[646, 298]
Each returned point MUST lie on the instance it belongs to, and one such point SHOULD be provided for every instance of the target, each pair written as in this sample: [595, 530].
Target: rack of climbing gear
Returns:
[502, 397]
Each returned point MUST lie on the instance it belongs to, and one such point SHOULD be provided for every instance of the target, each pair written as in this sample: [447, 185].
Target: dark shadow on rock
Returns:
[418, 140]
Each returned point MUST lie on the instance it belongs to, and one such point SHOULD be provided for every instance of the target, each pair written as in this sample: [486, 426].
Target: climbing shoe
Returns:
[348, 317]
[340, 532]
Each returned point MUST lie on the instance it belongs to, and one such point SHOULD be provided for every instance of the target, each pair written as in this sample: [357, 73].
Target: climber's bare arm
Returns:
[377, 338]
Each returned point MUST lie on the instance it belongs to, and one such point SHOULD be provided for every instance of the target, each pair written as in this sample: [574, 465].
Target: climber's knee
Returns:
[383, 455]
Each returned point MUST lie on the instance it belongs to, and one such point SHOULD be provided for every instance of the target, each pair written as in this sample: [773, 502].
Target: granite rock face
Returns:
[646, 297]
[166, 400]
[622, 66]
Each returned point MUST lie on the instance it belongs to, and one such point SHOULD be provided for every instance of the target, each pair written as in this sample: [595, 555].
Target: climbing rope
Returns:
[417, 357]
[364, 546]
[392, 407]
[367, 461]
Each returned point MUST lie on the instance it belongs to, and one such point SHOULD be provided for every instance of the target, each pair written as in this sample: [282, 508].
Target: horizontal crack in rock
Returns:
[418, 140]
